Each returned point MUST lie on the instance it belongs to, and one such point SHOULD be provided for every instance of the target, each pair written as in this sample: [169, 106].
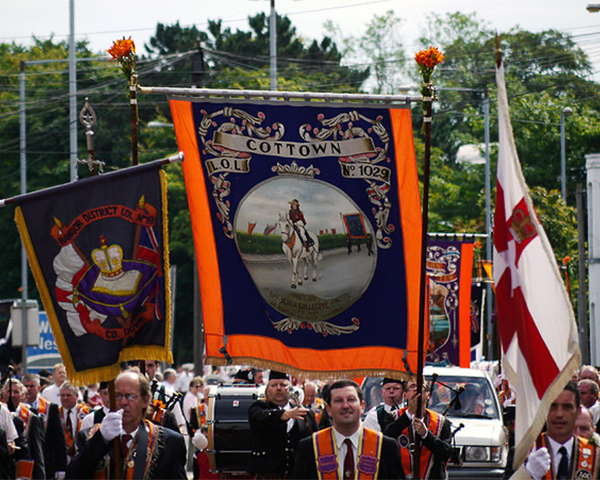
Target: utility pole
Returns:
[273, 46]
[72, 93]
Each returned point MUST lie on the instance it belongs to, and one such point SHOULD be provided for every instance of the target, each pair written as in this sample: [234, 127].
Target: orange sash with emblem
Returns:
[326, 455]
[584, 461]
[434, 425]
[24, 413]
[80, 411]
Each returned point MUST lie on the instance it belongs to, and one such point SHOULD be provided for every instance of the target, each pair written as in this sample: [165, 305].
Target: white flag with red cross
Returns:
[535, 317]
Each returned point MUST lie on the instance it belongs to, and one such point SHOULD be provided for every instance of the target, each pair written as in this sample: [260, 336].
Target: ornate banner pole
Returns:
[427, 60]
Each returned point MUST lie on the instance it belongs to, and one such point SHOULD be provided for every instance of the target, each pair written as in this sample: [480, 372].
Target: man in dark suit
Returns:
[29, 457]
[276, 428]
[147, 450]
[433, 428]
[347, 446]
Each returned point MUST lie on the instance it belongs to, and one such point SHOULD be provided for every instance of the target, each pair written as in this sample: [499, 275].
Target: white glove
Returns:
[112, 425]
[538, 463]
[200, 441]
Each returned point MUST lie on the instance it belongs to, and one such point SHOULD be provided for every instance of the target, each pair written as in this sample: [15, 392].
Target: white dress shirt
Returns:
[342, 448]
[554, 446]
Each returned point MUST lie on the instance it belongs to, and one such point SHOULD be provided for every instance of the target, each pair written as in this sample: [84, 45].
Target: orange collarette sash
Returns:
[42, 406]
[103, 472]
[129, 461]
[80, 412]
[326, 455]
[24, 413]
[406, 442]
[584, 462]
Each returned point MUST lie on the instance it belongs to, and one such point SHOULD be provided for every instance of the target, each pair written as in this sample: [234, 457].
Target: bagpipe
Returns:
[161, 406]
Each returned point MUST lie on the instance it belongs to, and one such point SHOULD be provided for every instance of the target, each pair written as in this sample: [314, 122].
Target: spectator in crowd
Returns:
[52, 392]
[71, 414]
[584, 426]
[589, 372]
[91, 396]
[259, 376]
[588, 391]
[151, 369]
[100, 411]
[244, 376]
[193, 397]
[39, 404]
[168, 383]
[312, 401]
[29, 456]
[347, 447]
[182, 384]
[380, 416]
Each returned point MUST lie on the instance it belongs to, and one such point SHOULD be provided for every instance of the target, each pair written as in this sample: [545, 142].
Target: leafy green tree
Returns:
[379, 47]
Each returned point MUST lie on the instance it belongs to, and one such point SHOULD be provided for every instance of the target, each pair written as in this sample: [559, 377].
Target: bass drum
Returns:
[229, 437]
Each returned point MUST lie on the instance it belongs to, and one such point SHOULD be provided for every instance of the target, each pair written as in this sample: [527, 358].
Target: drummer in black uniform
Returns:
[276, 428]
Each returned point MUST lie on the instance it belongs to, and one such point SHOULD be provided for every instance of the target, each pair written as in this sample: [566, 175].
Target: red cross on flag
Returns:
[535, 318]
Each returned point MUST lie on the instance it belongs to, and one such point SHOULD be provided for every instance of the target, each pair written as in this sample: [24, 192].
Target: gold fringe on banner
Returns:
[305, 375]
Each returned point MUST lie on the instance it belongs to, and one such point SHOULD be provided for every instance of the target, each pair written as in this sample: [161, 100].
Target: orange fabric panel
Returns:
[204, 244]
[464, 304]
[410, 205]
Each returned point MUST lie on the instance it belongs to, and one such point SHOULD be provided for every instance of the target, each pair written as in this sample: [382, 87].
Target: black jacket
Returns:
[440, 446]
[167, 462]
[273, 446]
[390, 463]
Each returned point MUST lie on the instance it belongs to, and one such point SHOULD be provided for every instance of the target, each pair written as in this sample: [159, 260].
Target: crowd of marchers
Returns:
[50, 428]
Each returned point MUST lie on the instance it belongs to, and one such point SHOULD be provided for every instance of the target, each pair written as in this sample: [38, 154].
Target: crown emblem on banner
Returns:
[296, 170]
[108, 259]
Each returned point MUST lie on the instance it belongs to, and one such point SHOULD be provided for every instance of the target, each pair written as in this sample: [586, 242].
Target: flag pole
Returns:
[427, 60]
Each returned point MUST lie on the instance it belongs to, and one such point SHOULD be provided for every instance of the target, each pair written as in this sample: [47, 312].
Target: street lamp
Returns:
[563, 156]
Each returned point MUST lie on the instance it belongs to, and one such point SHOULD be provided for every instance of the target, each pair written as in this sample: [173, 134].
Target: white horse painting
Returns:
[295, 252]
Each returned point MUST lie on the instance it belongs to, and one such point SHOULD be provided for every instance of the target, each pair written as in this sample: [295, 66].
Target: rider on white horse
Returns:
[299, 223]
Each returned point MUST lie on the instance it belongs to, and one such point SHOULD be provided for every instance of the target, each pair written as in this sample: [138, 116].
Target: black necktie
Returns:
[349, 460]
[69, 423]
[563, 467]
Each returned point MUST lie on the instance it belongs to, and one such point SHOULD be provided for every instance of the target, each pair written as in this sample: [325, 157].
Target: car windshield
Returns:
[476, 399]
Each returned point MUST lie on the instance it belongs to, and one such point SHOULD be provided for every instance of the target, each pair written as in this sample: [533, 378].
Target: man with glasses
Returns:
[147, 450]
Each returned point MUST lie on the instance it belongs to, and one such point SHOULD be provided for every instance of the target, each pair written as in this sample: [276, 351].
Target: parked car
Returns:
[480, 438]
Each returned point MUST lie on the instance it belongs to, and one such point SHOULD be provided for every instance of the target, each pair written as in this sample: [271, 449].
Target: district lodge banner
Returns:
[305, 298]
[98, 250]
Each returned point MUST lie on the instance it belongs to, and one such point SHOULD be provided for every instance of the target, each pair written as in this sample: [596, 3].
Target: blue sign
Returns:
[45, 354]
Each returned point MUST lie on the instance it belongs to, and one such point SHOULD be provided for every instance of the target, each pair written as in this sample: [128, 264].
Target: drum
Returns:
[229, 437]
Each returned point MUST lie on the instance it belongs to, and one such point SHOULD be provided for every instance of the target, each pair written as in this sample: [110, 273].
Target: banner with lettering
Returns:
[303, 298]
[98, 250]
[449, 267]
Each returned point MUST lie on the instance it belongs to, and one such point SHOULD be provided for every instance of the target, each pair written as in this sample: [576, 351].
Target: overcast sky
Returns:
[103, 21]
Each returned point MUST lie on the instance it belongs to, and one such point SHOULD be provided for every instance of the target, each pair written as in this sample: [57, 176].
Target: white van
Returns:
[480, 439]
